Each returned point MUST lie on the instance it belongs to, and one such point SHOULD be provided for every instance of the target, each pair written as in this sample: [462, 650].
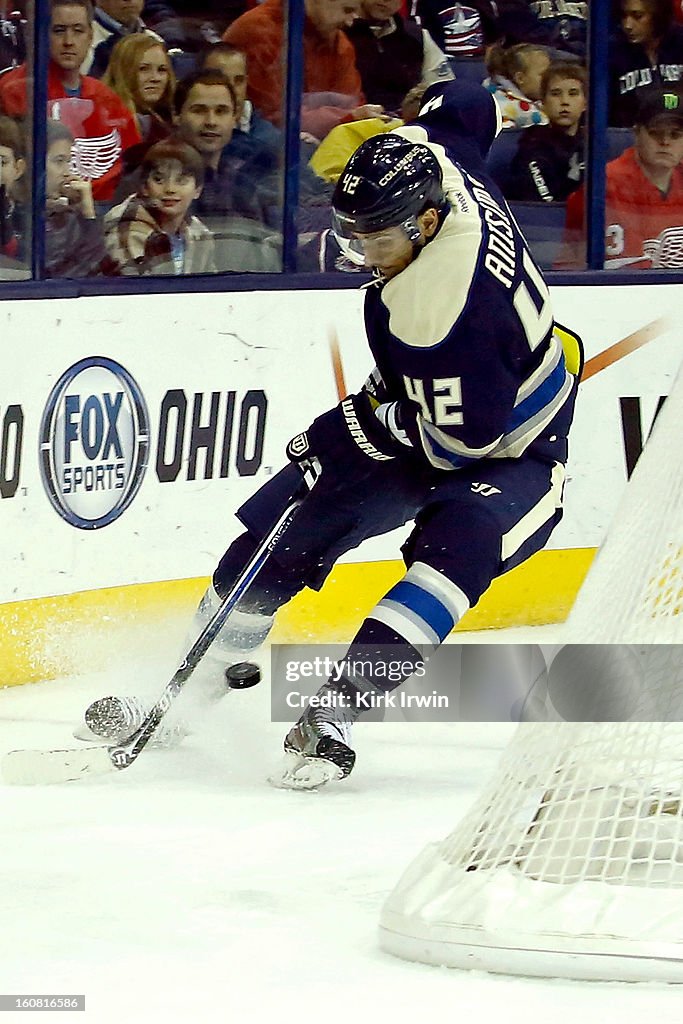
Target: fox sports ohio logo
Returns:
[94, 442]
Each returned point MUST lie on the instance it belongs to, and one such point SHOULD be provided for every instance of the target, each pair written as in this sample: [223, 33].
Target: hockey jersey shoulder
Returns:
[423, 308]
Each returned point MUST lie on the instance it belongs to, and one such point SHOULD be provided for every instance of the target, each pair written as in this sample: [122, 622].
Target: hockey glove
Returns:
[349, 439]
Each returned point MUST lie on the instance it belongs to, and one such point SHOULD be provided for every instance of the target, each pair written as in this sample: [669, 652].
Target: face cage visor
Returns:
[374, 246]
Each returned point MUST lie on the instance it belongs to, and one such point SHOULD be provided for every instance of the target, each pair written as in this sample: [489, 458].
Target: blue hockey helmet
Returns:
[387, 182]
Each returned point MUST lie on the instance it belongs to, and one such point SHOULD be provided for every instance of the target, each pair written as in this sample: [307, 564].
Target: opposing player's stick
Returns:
[31, 767]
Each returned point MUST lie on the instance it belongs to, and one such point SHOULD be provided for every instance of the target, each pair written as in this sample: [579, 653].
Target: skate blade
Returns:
[297, 771]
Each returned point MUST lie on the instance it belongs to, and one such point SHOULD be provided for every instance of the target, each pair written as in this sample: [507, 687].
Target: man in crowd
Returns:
[206, 110]
[393, 54]
[210, 14]
[12, 38]
[250, 126]
[644, 194]
[102, 126]
[332, 85]
[262, 144]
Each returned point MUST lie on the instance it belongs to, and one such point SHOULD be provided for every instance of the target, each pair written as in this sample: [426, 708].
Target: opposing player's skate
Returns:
[317, 748]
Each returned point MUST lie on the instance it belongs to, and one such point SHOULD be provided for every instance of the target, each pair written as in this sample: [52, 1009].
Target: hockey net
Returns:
[570, 864]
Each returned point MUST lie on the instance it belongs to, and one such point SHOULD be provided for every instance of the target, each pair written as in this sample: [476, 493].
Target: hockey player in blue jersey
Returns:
[462, 426]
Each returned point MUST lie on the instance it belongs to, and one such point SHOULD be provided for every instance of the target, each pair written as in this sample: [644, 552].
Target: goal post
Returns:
[570, 863]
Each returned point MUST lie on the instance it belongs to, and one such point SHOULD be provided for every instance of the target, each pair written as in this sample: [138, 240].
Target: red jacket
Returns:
[101, 125]
[643, 228]
[329, 67]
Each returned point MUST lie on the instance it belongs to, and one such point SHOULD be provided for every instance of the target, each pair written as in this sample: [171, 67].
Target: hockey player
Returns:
[462, 427]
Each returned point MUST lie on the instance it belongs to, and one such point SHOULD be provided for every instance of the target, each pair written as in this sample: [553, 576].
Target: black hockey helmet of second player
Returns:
[387, 183]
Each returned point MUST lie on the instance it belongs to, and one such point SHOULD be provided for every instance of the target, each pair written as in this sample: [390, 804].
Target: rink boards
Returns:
[132, 428]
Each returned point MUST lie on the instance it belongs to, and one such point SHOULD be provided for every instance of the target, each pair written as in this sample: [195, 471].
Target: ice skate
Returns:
[317, 748]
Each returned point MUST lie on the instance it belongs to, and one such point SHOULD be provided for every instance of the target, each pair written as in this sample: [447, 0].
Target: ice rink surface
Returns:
[187, 889]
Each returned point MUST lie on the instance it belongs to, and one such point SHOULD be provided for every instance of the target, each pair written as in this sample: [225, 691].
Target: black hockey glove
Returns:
[348, 440]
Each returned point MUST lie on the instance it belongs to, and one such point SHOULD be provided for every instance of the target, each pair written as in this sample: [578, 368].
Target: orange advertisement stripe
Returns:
[337, 365]
[627, 345]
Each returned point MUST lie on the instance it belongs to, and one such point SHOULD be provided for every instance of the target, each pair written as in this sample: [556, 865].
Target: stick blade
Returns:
[45, 767]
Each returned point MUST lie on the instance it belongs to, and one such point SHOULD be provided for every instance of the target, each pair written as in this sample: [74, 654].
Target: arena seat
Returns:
[542, 224]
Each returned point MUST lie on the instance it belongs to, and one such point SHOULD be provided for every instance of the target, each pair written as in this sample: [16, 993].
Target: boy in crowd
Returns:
[12, 169]
[99, 121]
[153, 231]
[549, 163]
[74, 246]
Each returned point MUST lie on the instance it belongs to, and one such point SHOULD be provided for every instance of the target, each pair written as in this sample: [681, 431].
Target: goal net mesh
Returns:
[570, 863]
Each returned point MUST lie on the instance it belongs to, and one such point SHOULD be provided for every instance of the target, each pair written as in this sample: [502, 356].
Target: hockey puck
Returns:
[242, 675]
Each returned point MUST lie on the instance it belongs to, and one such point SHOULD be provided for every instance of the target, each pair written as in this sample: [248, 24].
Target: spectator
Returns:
[393, 54]
[515, 81]
[100, 123]
[332, 85]
[460, 30]
[74, 244]
[555, 24]
[153, 231]
[644, 201]
[140, 72]
[208, 17]
[12, 170]
[12, 39]
[232, 62]
[646, 50]
[113, 20]
[237, 196]
[262, 144]
[205, 108]
[549, 163]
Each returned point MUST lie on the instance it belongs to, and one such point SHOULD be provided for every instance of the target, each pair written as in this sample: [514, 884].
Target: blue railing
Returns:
[289, 279]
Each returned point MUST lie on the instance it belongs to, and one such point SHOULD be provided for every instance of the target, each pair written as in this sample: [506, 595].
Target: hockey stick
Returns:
[31, 767]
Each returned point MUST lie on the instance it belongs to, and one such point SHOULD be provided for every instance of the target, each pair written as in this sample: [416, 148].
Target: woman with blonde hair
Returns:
[140, 72]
